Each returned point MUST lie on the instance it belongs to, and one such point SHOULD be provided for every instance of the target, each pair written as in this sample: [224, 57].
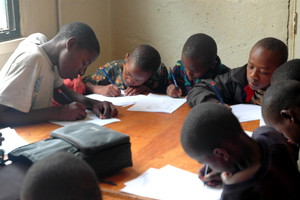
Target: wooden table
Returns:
[155, 142]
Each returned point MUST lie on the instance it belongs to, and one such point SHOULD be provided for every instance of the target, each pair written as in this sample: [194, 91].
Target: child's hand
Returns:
[173, 91]
[212, 178]
[109, 90]
[104, 109]
[130, 91]
[72, 112]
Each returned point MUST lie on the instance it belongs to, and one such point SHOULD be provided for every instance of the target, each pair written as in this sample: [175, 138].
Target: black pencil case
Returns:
[105, 150]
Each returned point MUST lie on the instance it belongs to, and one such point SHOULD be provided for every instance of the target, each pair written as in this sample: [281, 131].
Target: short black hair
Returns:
[287, 71]
[84, 34]
[207, 126]
[280, 96]
[146, 57]
[60, 176]
[276, 45]
[200, 47]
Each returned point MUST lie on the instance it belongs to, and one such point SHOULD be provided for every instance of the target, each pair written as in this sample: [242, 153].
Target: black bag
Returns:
[105, 150]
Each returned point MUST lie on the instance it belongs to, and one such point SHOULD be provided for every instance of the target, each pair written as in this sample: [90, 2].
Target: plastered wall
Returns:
[121, 25]
[166, 24]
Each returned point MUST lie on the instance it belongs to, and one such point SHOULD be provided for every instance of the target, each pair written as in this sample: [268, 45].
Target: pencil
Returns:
[65, 96]
[173, 77]
[107, 76]
[217, 92]
[205, 172]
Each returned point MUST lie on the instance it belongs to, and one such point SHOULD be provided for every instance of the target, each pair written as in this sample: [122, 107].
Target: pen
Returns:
[217, 92]
[107, 76]
[65, 96]
[174, 80]
[205, 172]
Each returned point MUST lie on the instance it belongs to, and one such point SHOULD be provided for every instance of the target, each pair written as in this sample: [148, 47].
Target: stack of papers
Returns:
[12, 140]
[171, 183]
[158, 103]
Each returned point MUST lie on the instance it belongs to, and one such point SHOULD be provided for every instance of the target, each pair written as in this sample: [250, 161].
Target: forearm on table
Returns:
[11, 117]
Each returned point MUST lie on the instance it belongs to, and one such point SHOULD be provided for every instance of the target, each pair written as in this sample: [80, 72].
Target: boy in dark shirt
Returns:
[281, 109]
[260, 167]
[199, 60]
[245, 84]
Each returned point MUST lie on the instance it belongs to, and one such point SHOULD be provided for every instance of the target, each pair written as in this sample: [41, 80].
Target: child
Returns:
[30, 75]
[244, 84]
[281, 109]
[60, 176]
[199, 60]
[140, 72]
[251, 168]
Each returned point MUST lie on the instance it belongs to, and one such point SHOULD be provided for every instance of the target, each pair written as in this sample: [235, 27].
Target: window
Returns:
[9, 19]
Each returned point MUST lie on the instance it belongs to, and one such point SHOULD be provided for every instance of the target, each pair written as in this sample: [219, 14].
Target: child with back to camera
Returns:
[34, 74]
[244, 84]
[199, 60]
[61, 176]
[260, 167]
[281, 110]
[140, 72]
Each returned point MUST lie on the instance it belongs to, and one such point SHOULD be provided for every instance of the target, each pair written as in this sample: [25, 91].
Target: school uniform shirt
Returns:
[157, 83]
[183, 81]
[278, 176]
[28, 77]
[232, 86]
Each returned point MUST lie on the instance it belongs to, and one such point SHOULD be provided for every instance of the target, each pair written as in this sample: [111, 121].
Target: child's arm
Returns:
[69, 112]
[102, 109]
[106, 90]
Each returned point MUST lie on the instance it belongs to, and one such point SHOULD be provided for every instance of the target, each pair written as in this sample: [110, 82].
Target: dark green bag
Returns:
[105, 150]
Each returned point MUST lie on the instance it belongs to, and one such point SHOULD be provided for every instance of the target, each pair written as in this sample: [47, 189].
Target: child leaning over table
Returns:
[281, 110]
[35, 72]
[244, 84]
[199, 60]
[140, 72]
[257, 168]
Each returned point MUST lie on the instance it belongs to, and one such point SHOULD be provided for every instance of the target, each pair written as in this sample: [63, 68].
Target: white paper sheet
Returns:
[158, 103]
[118, 101]
[91, 117]
[171, 183]
[246, 112]
[12, 140]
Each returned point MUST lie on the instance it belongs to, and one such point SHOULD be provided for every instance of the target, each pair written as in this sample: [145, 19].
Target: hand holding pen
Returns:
[210, 177]
[174, 90]
[110, 90]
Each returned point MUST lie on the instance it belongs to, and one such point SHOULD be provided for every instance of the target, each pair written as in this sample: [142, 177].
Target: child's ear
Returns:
[221, 154]
[126, 57]
[71, 42]
[288, 115]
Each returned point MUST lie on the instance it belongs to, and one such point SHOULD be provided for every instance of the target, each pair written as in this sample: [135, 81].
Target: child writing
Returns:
[199, 60]
[244, 84]
[140, 72]
[60, 176]
[249, 167]
[35, 72]
[281, 109]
